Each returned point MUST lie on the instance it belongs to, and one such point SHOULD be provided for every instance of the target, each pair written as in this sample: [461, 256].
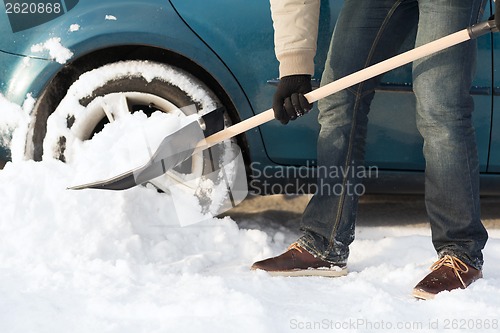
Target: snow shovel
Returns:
[180, 145]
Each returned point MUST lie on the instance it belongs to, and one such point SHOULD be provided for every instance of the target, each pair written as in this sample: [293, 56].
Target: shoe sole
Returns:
[423, 295]
[335, 272]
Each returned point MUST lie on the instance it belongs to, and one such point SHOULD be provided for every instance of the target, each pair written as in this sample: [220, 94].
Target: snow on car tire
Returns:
[109, 92]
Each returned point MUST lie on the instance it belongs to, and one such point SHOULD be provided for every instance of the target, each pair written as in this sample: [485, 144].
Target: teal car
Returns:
[144, 52]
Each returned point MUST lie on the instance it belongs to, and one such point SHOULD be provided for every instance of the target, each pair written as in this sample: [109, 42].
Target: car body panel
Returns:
[232, 41]
[32, 73]
[96, 32]
[244, 40]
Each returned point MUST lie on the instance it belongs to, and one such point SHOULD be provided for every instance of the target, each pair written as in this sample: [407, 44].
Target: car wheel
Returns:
[105, 94]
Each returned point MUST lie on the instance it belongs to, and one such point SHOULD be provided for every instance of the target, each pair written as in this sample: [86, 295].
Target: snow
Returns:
[74, 27]
[56, 50]
[103, 261]
[14, 120]
[10, 117]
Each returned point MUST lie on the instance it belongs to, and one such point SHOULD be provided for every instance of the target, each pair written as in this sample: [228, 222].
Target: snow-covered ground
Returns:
[100, 261]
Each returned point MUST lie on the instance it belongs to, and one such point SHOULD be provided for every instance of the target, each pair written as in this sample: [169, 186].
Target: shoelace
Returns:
[295, 246]
[457, 265]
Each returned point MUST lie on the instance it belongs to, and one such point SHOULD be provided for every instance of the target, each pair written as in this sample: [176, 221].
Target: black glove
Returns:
[289, 102]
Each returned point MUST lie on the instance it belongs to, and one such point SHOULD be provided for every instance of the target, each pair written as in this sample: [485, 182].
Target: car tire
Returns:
[135, 85]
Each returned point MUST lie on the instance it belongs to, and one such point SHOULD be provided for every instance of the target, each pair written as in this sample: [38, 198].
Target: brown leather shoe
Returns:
[448, 273]
[296, 261]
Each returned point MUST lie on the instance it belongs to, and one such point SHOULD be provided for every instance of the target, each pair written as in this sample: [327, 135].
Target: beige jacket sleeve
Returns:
[295, 34]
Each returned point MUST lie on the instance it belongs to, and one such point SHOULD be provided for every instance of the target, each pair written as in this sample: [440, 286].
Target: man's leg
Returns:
[366, 32]
[444, 107]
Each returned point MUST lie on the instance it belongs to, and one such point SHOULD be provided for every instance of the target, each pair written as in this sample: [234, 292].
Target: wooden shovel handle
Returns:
[345, 82]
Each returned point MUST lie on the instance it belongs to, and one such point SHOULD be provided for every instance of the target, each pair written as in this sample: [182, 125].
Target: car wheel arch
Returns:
[56, 89]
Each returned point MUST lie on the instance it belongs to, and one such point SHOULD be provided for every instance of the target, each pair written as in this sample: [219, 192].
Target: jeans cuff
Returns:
[309, 244]
[477, 263]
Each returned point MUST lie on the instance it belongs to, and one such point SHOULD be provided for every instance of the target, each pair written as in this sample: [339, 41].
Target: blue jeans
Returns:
[369, 31]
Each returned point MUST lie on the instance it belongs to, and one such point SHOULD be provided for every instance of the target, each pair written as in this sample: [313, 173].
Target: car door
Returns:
[494, 160]
[241, 33]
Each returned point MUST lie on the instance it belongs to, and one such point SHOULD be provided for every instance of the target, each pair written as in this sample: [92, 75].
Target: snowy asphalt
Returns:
[374, 210]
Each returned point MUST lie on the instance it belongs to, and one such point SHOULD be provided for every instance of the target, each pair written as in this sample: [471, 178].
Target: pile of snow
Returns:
[10, 117]
[14, 120]
[102, 261]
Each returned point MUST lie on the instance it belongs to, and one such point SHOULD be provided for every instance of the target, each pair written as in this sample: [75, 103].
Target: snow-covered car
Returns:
[170, 54]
